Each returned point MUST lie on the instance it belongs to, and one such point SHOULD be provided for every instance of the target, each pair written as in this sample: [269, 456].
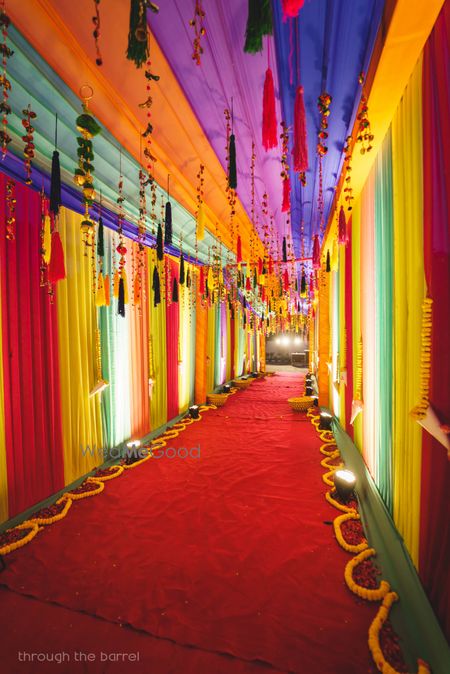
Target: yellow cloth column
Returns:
[157, 348]
[356, 311]
[409, 292]
[324, 337]
[77, 325]
[3, 473]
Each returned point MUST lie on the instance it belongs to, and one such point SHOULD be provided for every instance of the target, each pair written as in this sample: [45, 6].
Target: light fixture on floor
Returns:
[194, 411]
[254, 375]
[133, 443]
[308, 390]
[344, 482]
[226, 388]
[325, 421]
[316, 402]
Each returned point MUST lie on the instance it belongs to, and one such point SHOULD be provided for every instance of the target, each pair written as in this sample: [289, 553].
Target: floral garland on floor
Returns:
[360, 572]
[23, 533]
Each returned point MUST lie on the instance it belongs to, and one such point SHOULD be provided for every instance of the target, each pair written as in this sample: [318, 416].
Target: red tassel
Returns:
[260, 266]
[239, 250]
[286, 280]
[342, 235]
[291, 8]
[300, 150]
[56, 267]
[269, 122]
[270, 265]
[286, 195]
[316, 253]
[202, 281]
[248, 285]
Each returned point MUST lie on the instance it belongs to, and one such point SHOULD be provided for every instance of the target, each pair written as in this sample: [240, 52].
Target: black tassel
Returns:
[296, 284]
[303, 284]
[259, 23]
[232, 173]
[328, 261]
[159, 243]
[156, 286]
[55, 184]
[298, 307]
[255, 278]
[182, 274]
[175, 290]
[284, 249]
[137, 50]
[206, 288]
[168, 224]
[100, 239]
[244, 303]
[121, 308]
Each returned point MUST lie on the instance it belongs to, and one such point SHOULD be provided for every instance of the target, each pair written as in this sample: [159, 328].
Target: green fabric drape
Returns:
[384, 270]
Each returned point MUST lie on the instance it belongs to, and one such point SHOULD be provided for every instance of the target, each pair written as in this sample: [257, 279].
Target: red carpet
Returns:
[229, 554]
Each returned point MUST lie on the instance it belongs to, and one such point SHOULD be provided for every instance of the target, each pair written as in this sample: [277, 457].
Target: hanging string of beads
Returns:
[10, 209]
[5, 84]
[120, 275]
[96, 32]
[364, 136]
[230, 191]
[42, 241]
[197, 23]
[286, 182]
[323, 105]
[199, 214]
[348, 190]
[29, 148]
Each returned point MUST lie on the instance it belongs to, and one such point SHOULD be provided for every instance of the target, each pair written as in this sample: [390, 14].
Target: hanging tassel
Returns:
[137, 50]
[239, 250]
[156, 287]
[284, 249]
[291, 8]
[55, 184]
[316, 253]
[255, 278]
[182, 273]
[188, 278]
[270, 266]
[107, 291]
[116, 285]
[248, 284]
[260, 266]
[100, 238]
[232, 171]
[137, 291]
[100, 300]
[303, 284]
[123, 277]
[342, 228]
[201, 223]
[159, 243]
[300, 149]
[328, 267]
[175, 290]
[168, 224]
[286, 195]
[286, 280]
[201, 285]
[56, 267]
[47, 239]
[269, 121]
[259, 23]
[121, 305]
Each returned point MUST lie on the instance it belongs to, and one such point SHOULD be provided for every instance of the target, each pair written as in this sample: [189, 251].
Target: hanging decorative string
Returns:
[364, 135]
[28, 150]
[55, 179]
[168, 217]
[419, 411]
[149, 77]
[342, 228]
[286, 181]
[348, 190]
[230, 191]
[5, 84]
[197, 23]
[138, 47]
[269, 117]
[10, 209]
[120, 272]
[259, 23]
[291, 8]
[200, 213]
[96, 32]
[44, 240]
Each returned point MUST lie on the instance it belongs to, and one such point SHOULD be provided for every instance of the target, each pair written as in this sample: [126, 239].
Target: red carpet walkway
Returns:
[223, 564]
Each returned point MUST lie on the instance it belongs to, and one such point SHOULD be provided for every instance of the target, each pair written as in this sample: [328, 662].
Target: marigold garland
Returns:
[419, 411]
[327, 437]
[10, 547]
[336, 504]
[59, 516]
[334, 455]
[364, 592]
[327, 477]
[104, 476]
[326, 448]
[77, 496]
[337, 522]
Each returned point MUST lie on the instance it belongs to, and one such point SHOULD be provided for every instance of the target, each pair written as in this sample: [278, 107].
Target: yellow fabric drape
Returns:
[210, 348]
[3, 473]
[356, 310]
[409, 292]
[77, 325]
[324, 337]
[157, 347]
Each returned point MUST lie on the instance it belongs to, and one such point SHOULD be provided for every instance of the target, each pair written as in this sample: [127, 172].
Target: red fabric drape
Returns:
[435, 502]
[348, 328]
[172, 336]
[34, 448]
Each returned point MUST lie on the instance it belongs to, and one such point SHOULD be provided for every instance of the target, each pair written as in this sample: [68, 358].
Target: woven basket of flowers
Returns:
[242, 383]
[217, 399]
[301, 404]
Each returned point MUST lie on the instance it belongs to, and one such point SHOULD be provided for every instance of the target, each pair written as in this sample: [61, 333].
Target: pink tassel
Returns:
[286, 280]
[291, 8]
[342, 228]
[300, 150]
[56, 267]
[202, 282]
[269, 122]
[316, 253]
[286, 195]
[239, 250]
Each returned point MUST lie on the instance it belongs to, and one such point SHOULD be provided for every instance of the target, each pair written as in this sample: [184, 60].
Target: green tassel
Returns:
[100, 239]
[259, 23]
[137, 50]
[232, 173]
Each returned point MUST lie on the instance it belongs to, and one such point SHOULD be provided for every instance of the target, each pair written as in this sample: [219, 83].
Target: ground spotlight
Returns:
[254, 375]
[133, 443]
[226, 388]
[325, 421]
[308, 390]
[344, 482]
[316, 402]
[194, 411]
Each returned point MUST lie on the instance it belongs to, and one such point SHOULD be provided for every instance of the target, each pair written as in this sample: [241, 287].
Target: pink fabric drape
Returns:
[34, 447]
[172, 337]
[140, 402]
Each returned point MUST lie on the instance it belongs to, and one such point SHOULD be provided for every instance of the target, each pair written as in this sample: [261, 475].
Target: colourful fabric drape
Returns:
[218, 346]
[186, 372]
[157, 347]
[138, 354]
[115, 344]
[383, 321]
[342, 338]
[3, 470]
[356, 312]
[172, 340]
[348, 330]
[201, 365]
[409, 292]
[232, 354]
[210, 348]
[434, 550]
[32, 399]
[324, 337]
[77, 325]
